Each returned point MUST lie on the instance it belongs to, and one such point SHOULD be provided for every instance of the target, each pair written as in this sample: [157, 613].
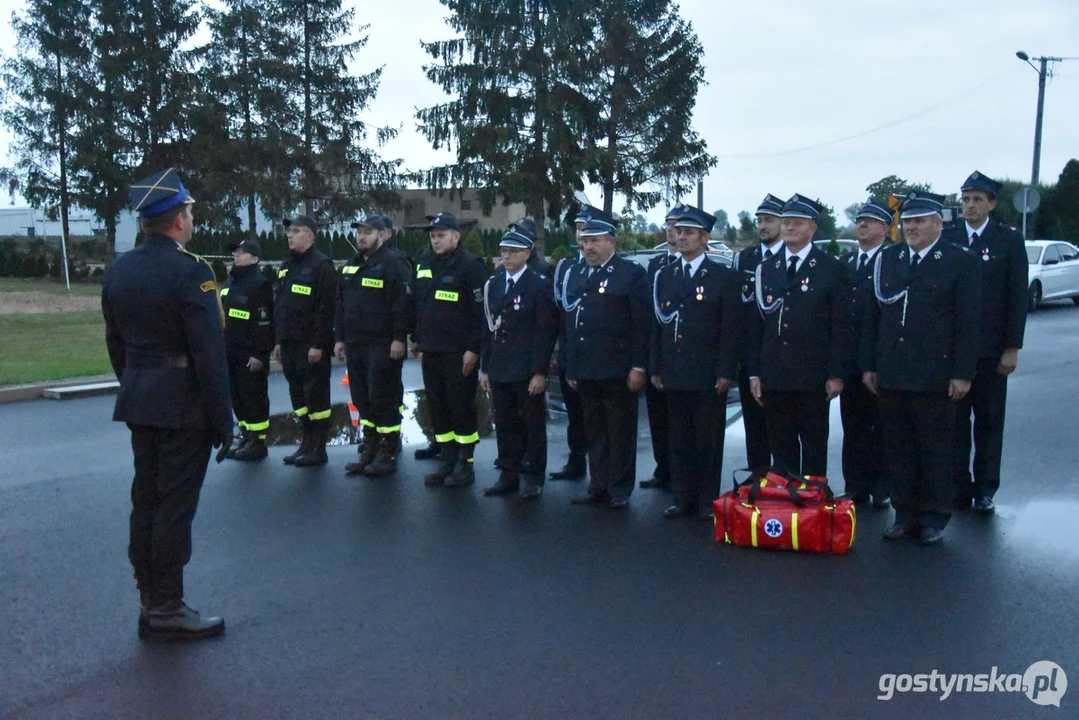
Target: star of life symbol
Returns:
[773, 528]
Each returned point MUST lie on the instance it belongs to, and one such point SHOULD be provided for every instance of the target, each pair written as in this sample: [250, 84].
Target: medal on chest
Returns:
[985, 254]
[700, 292]
[603, 286]
[517, 303]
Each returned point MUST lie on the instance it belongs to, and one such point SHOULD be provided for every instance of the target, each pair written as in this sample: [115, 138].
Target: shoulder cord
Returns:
[492, 323]
[901, 295]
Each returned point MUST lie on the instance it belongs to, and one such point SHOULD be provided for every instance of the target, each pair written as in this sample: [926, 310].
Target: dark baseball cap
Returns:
[377, 222]
[444, 220]
[248, 246]
[304, 220]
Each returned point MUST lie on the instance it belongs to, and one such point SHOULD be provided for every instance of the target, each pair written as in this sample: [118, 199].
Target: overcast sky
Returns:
[929, 90]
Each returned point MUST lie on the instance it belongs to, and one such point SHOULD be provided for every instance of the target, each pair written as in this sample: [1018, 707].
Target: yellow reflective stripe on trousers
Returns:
[401, 409]
[239, 314]
[301, 289]
[445, 437]
[258, 427]
[242, 424]
[388, 430]
[424, 273]
[468, 439]
[794, 530]
[753, 526]
[300, 412]
[372, 283]
[367, 423]
[321, 415]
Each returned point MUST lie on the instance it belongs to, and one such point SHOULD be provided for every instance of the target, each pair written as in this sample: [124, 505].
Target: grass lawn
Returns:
[52, 346]
[49, 286]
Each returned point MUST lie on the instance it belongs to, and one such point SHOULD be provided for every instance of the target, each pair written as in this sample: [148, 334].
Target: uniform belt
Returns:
[158, 361]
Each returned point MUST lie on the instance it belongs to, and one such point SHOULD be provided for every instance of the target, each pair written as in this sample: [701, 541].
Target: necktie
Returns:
[688, 270]
[973, 239]
[509, 287]
[915, 259]
[768, 254]
[863, 260]
[792, 269]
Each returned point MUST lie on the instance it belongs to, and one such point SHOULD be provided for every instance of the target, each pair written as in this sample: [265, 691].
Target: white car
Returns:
[1053, 271]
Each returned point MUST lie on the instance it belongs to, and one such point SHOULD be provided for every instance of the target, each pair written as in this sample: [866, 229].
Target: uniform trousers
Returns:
[250, 397]
[697, 424]
[576, 437]
[919, 444]
[521, 427]
[308, 383]
[863, 454]
[610, 419]
[374, 382]
[758, 451]
[656, 403]
[451, 398]
[170, 466]
[798, 430]
[987, 399]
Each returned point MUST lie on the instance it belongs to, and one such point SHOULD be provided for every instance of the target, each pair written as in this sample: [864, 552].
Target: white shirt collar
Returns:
[774, 248]
[925, 251]
[516, 276]
[801, 254]
[694, 265]
[972, 230]
[871, 253]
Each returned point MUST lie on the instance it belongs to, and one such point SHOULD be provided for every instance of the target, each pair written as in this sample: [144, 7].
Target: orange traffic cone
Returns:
[354, 414]
[344, 380]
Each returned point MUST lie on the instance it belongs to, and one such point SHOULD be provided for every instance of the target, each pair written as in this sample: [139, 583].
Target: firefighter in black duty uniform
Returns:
[863, 457]
[448, 339]
[374, 313]
[758, 452]
[800, 343]
[576, 438]
[694, 359]
[520, 333]
[163, 330]
[607, 327]
[1003, 266]
[919, 351]
[655, 400]
[249, 338]
[306, 295]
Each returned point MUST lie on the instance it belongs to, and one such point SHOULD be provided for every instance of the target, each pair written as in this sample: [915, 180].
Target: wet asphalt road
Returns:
[350, 598]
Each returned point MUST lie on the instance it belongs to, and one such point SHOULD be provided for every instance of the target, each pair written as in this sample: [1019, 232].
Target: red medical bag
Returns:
[781, 513]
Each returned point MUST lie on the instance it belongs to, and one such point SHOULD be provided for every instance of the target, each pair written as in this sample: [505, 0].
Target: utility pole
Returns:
[1043, 72]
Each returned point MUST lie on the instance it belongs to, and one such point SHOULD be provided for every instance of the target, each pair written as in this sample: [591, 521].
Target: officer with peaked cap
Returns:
[448, 339]
[694, 358]
[863, 468]
[800, 342]
[527, 227]
[521, 326]
[919, 349]
[306, 298]
[607, 327]
[163, 330]
[577, 464]
[1003, 264]
[248, 302]
[769, 212]
[373, 318]
[655, 400]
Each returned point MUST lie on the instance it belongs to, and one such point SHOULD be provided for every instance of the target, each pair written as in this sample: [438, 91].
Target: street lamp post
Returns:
[1043, 70]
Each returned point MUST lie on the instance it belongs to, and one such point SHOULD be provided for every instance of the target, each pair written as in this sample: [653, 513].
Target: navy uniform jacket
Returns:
[306, 291]
[746, 262]
[657, 263]
[164, 332]
[860, 296]
[608, 321]
[564, 267]
[449, 302]
[700, 346]
[374, 299]
[1004, 284]
[813, 343]
[525, 327]
[248, 303]
[938, 340]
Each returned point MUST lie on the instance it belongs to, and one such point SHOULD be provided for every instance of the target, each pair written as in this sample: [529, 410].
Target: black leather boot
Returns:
[305, 442]
[254, 449]
[367, 452]
[465, 472]
[316, 452]
[385, 462]
[431, 452]
[445, 469]
[171, 619]
[244, 439]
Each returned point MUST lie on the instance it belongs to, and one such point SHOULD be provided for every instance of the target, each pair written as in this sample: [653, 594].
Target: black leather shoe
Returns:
[589, 499]
[931, 536]
[619, 504]
[858, 498]
[896, 532]
[531, 492]
[705, 513]
[176, 621]
[675, 511]
[880, 503]
[507, 483]
[575, 469]
[656, 483]
[984, 505]
[431, 452]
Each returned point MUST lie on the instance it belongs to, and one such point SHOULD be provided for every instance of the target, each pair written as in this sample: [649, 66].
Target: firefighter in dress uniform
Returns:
[919, 352]
[248, 303]
[520, 333]
[374, 312]
[694, 360]
[163, 330]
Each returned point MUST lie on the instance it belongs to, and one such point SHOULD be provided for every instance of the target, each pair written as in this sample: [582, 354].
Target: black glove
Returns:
[223, 440]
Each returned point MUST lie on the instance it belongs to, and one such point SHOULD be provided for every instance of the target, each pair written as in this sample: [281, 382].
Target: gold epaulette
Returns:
[211, 285]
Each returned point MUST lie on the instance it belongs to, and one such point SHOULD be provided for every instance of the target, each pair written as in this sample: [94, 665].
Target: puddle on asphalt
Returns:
[285, 428]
